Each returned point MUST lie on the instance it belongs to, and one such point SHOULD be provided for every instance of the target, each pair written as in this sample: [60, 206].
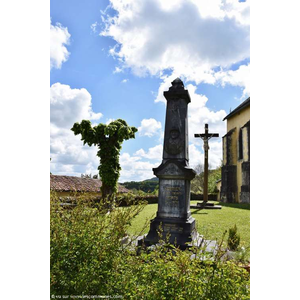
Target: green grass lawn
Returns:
[210, 223]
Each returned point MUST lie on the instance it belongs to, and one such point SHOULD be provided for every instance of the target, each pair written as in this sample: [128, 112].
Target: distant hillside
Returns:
[152, 179]
[147, 186]
[150, 185]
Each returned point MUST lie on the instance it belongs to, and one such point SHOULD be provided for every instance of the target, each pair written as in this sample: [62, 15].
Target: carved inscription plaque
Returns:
[172, 198]
[173, 193]
[172, 228]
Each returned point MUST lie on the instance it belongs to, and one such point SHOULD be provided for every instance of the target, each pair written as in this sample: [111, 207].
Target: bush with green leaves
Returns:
[89, 258]
[233, 238]
[85, 244]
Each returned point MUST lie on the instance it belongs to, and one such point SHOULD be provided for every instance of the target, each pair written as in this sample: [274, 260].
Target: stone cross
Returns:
[205, 137]
[174, 216]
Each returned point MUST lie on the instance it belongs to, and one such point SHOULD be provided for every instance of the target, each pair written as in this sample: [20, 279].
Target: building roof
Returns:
[60, 183]
[243, 105]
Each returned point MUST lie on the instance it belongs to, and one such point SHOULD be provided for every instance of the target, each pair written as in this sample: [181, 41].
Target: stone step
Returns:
[206, 204]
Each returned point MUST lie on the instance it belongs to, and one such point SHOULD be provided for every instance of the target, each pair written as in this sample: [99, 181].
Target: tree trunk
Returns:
[108, 195]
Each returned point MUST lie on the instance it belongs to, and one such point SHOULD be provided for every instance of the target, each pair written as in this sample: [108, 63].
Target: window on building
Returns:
[241, 144]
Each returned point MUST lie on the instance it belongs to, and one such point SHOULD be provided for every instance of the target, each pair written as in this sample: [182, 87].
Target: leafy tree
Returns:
[213, 177]
[147, 186]
[86, 175]
[89, 176]
[197, 184]
[108, 139]
[199, 168]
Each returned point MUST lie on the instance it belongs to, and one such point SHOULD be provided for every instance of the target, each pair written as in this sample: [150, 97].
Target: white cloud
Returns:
[214, 154]
[109, 121]
[149, 127]
[188, 37]
[239, 77]
[118, 70]
[69, 156]
[195, 156]
[70, 105]
[59, 39]
[199, 114]
[124, 81]
[238, 10]
[154, 153]
[94, 26]
[133, 169]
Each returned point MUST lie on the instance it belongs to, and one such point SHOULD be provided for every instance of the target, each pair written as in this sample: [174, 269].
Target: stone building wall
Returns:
[235, 186]
[245, 166]
[229, 187]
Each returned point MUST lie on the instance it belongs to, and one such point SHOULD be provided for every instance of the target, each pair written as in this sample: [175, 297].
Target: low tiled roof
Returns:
[238, 109]
[60, 183]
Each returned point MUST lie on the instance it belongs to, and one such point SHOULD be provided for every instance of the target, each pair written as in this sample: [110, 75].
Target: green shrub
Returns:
[165, 274]
[242, 255]
[88, 258]
[233, 238]
[85, 245]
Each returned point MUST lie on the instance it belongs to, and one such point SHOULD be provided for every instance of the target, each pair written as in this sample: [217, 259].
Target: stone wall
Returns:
[229, 187]
[245, 188]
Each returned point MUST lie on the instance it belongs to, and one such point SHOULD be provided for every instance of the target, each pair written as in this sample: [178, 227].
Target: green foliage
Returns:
[233, 238]
[88, 258]
[198, 182]
[85, 245]
[172, 274]
[108, 139]
[242, 255]
[147, 186]
[213, 176]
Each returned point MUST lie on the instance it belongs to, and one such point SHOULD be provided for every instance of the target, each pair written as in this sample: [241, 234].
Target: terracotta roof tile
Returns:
[77, 184]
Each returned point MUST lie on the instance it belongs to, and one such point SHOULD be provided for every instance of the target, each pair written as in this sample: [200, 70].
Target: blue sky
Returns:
[113, 59]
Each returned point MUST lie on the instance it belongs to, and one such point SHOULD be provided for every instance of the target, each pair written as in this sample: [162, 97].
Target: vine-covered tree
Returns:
[108, 139]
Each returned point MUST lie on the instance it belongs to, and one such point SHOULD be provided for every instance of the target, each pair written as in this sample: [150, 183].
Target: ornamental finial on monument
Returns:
[177, 84]
[177, 91]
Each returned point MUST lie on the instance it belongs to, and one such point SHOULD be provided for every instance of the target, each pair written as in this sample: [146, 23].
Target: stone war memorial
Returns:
[173, 218]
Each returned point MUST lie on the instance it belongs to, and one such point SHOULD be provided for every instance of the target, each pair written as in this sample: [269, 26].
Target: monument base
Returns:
[180, 233]
[206, 206]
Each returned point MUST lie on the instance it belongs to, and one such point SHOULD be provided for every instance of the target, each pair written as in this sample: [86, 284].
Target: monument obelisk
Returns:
[174, 174]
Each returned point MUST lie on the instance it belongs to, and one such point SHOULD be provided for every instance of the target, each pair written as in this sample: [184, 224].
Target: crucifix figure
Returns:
[205, 137]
